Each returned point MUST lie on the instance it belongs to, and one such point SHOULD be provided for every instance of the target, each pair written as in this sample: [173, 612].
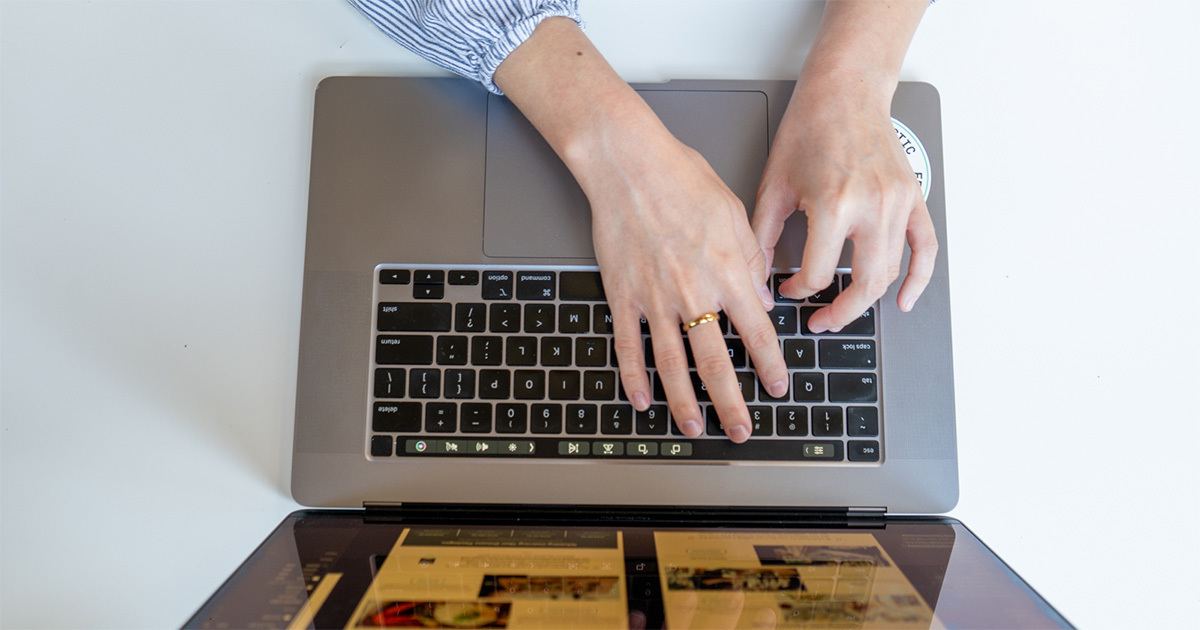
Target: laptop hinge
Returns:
[614, 515]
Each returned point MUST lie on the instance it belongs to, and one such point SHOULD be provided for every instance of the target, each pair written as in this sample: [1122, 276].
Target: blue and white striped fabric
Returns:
[467, 37]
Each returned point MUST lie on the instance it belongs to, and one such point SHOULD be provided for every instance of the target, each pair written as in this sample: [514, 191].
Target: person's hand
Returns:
[673, 244]
[836, 158]
[672, 241]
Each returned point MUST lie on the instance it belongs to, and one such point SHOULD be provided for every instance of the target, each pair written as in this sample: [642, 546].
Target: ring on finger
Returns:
[703, 319]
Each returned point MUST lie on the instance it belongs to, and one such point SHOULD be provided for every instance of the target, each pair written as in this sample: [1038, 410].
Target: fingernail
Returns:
[639, 401]
[778, 389]
[908, 304]
[764, 294]
[836, 330]
[816, 328]
[691, 428]
[739, 434]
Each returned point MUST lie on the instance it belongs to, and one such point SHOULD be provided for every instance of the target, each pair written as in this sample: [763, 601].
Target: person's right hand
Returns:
[672, 241]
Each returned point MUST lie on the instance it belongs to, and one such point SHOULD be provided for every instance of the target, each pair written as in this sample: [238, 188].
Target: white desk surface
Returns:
[155, 168]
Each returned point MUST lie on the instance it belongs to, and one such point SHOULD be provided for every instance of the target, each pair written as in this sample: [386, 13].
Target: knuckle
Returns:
[760, 336]
[627, 345]
[671, 362]
[713, 365]
[875, 286]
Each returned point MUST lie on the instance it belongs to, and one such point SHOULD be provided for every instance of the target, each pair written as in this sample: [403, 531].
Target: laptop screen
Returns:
[344, 570]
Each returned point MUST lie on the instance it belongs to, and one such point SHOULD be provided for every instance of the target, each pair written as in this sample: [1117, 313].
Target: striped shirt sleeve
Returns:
[467, 37]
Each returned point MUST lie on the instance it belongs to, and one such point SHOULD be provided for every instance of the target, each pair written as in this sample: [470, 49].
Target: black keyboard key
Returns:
[429, 276]
[746, 382]
[459, 384]
[556, 351]
[847, 353]
[583, 286]
[616, 419]
[564, 385]
[762, 420]
[381, 446]
[591, 351]
[599, 385]
[845, 387]
[545, 419]
[441, 417]
[521, 351]
[486, 350]
[497, 285]
[539, 318]
[573, 318]
[413, 317]
[452, 350]
[504, 318]
[862, 451]
[510, 418]
[826, 295]
[701, 388]
[396, 417]
[394, 276]
[791, 421]
[737, 352]
[602, 319]
[777, 280]
[535, 285]
[660, 393]
[476, 418]
[653, 421]
[862, 421]
[464, 278]
[470, 318]
[429, 291]
[424, 384]
[800, 353]
[808, 387]
[712, 424]
[494, 384]
[404, 350]
[529, 385]
[862, 325]
[389, 382]
[784, 319]
[827, 421]
[581, 419]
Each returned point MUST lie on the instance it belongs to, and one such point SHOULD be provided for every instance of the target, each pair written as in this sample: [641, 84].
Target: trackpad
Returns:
[534, 209]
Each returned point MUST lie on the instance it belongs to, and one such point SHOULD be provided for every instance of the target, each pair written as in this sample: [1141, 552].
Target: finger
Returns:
[822, 250]
[922, 239]
[756, 260]
[672, 365]
[758, 335]
[716, 372]
[772, 208]
[631, 361]
[872, 274]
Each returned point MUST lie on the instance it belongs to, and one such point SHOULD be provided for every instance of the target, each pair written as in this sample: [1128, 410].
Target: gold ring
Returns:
[703, 319]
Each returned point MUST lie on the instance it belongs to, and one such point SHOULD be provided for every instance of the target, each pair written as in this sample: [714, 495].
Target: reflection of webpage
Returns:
[784, 580]
[446, 577]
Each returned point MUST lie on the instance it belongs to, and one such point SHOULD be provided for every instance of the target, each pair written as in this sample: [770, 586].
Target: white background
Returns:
[154, 187]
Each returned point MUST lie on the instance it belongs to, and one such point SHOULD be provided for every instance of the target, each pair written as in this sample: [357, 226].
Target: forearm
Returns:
[583, 109]
[861, 45]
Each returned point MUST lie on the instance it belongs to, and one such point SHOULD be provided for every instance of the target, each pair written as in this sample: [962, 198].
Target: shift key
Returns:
[847, 353]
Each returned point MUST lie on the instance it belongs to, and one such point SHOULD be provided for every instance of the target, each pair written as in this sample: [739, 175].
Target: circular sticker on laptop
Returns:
[915, 152]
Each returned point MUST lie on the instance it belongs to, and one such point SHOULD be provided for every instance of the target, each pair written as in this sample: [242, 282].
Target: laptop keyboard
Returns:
[517, 362]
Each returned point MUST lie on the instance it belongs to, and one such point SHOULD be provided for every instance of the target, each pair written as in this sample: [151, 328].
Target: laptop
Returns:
[457, 390]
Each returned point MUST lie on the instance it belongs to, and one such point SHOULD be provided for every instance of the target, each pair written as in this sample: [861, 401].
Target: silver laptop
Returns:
[455, 346]
[457, 386]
